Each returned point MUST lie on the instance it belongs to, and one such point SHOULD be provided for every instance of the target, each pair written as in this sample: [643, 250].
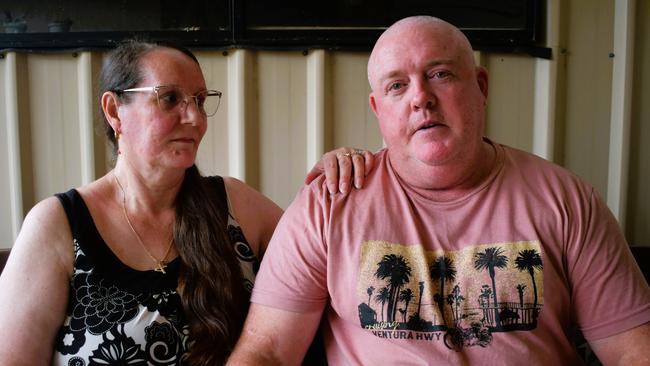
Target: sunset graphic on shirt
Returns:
[467, 294]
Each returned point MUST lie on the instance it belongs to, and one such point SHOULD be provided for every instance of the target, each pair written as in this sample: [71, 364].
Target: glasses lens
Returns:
[168, 97]
[208, 102]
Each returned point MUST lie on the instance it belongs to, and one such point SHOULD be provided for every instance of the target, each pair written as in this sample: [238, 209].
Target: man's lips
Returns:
[429, 125]
[185, 140]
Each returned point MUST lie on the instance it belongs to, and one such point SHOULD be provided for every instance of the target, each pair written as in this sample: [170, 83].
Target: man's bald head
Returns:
[438, 30]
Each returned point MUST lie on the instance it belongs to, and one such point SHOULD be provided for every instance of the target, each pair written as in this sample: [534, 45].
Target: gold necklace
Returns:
[160, 264]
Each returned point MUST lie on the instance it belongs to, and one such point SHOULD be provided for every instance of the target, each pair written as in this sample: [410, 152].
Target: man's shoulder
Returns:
[530, 160]
[538, 169]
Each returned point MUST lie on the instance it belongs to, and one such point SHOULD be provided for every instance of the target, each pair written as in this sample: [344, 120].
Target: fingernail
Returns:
[344, 188]
[357, 183]
[331, 188]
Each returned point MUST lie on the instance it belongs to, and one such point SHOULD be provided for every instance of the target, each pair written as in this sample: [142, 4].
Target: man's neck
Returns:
[448, 182]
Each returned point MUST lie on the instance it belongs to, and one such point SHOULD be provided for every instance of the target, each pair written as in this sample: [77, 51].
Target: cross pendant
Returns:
[160, 267]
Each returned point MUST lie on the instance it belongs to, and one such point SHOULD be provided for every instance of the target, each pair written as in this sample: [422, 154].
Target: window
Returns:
[502, 25]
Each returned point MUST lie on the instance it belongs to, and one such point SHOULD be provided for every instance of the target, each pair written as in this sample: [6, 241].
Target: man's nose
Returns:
[424, 96]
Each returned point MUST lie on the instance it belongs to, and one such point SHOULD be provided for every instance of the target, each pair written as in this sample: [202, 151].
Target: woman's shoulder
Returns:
[49, 222]
[256, 214]
[47, 215]
[234, 184]
[46, 231]
[238, 190]
[244, 197]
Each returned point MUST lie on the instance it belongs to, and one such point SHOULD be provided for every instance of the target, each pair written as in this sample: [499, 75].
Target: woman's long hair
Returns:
[210, 281]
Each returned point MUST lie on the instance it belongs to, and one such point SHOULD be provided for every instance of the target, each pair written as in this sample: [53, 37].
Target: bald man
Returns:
[458, 250]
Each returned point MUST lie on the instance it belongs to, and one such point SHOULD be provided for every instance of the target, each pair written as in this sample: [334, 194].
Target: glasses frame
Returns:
[155, 89]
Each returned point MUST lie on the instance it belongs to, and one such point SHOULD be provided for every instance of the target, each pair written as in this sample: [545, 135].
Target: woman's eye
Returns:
[200, 100]
[169, 99]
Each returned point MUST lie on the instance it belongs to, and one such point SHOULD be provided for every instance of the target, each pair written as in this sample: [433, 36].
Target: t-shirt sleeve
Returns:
[293, 274]
[610, 294]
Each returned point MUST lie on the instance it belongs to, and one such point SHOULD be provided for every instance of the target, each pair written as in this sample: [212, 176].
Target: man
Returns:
[457, 251]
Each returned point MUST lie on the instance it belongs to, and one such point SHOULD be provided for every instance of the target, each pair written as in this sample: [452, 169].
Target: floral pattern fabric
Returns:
[120, 316]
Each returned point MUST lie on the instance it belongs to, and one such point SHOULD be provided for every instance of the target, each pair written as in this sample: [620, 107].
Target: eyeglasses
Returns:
[170, 96]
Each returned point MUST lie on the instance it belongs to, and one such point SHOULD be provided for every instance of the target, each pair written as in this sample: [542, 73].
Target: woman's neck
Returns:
[149, 192]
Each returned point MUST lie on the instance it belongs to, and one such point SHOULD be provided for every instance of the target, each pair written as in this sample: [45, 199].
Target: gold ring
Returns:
[344, 155]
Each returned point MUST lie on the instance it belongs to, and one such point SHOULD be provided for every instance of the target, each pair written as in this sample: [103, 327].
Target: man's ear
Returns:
[373, 105]
[110, 106]
[482, 79]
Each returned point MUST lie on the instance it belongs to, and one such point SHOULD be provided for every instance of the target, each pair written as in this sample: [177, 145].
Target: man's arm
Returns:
[631, 347]
[274, 337]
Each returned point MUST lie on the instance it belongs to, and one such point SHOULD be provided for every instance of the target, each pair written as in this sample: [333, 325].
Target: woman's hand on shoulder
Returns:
[34, 285]
[341, 166]
[256, 213]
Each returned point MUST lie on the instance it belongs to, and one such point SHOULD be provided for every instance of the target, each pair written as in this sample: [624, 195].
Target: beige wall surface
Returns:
[281, 126]
[52, 147]
[510, 100]
[214, 148]
[5, 195]
[638, 223]
[353, 122]
[589, 85]
[274, 100]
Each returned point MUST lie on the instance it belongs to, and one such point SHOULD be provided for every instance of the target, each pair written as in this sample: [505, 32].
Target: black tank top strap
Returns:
[217, 189]
[75, 210]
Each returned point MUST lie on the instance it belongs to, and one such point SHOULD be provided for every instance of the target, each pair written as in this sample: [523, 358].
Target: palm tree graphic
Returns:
[490, 259]
[454, 299]
[520, 289]
[397, 271]
[370, 290]
[381, 298]
[529, 260]
[406, 295]
[442, 269]
[421, 287]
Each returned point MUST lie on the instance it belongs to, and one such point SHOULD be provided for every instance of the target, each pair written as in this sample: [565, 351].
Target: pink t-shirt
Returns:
[503, 275]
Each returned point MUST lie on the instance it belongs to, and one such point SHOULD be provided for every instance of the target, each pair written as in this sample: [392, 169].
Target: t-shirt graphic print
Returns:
[460, 297]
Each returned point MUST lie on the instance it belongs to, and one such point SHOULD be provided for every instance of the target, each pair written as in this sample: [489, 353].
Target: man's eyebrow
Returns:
[441, 62]
[389, 75]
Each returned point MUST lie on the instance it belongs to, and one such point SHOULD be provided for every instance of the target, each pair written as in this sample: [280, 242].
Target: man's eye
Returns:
[395, 86]
[440, 74]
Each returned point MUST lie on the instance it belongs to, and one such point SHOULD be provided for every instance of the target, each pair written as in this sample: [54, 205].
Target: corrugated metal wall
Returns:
[585, 109]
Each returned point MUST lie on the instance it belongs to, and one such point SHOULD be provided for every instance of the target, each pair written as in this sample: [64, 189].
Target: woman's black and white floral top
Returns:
[118, 315]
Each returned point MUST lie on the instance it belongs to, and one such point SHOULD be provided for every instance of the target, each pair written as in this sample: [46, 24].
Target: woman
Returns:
[139, 266]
